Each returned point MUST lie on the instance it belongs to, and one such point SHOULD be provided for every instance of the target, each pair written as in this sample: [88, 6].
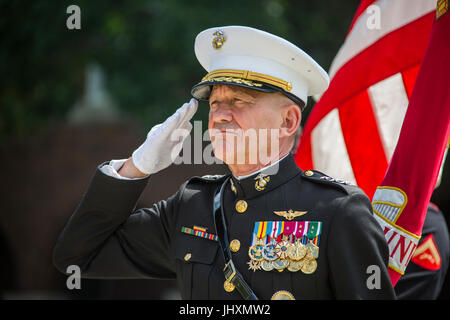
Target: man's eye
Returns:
[214, 104]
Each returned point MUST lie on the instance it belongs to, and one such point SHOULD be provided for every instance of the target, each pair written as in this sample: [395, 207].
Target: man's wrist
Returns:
[129, 170]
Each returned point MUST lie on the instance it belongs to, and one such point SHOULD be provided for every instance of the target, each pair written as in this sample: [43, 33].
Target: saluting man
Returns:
[267, 230]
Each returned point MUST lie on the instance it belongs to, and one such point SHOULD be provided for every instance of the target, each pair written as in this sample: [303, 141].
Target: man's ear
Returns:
[292, 117]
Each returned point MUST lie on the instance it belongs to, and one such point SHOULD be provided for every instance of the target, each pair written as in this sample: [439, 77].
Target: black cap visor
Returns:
[202, 90]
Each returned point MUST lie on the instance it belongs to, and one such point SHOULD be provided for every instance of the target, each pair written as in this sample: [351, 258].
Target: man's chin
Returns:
[227, 157]
[233, 157]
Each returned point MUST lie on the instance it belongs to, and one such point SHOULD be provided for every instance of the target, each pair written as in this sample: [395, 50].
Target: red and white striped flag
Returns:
[400, 202]
[352, 131]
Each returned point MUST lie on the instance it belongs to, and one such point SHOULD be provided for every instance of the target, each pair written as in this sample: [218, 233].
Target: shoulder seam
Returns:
[319, 177]
[208, 178]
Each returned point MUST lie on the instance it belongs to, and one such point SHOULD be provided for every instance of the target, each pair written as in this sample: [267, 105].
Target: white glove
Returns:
[159, 149]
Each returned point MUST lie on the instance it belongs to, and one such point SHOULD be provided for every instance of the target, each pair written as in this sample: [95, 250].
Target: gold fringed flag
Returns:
[400, 202]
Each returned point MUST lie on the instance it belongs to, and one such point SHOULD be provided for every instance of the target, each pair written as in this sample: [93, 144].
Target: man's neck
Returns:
[244, 170]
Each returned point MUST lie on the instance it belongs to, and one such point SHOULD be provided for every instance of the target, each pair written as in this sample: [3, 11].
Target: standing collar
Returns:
[265, 179]
[269, 167]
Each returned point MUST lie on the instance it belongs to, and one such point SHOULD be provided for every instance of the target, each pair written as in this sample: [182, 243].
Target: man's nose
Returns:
[221, 114]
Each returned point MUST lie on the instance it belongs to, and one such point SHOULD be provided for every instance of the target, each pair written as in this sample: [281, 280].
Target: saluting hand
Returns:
[160, 148]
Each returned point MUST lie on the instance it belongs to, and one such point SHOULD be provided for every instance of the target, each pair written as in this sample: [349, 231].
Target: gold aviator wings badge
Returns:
[290, 214]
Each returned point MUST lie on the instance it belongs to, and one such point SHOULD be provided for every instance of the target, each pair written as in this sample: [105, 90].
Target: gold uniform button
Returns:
[309, 173]
[228, 286]
[241, 206]
[187, 257]
[282, 295]
[235, 245]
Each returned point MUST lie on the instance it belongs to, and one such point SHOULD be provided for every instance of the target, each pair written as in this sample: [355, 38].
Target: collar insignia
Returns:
[261, 181]
[233, 187]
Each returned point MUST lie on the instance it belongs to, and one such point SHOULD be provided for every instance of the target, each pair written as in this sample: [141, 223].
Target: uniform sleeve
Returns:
[358, 253]
[107, 238]
[418, 282]
[112, 169]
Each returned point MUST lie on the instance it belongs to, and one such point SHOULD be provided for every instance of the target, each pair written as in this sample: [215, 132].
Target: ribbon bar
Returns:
[199, 233]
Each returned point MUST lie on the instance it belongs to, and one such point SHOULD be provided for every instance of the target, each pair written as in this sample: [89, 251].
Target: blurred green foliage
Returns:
[144, 47]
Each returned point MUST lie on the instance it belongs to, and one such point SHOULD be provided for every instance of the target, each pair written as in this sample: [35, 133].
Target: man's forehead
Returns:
[222, 88]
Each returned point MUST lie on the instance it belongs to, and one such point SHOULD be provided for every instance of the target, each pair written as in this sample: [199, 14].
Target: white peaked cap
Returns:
[256, 59]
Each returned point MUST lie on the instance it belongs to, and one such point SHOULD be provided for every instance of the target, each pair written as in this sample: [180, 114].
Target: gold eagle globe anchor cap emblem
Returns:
[219, 39]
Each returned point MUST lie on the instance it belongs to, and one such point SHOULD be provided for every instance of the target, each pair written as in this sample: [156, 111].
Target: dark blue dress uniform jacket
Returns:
[108, 238]
[419, 283]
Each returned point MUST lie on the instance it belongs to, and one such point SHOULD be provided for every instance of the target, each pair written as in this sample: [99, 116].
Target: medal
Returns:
[267, 265]
[280, 265]
[309, 266]
[254, 265]
[296, 251]
[309, 254]
[268, 252]
[281, 249]
[295, 266]
[255, 251]
[313, 249]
